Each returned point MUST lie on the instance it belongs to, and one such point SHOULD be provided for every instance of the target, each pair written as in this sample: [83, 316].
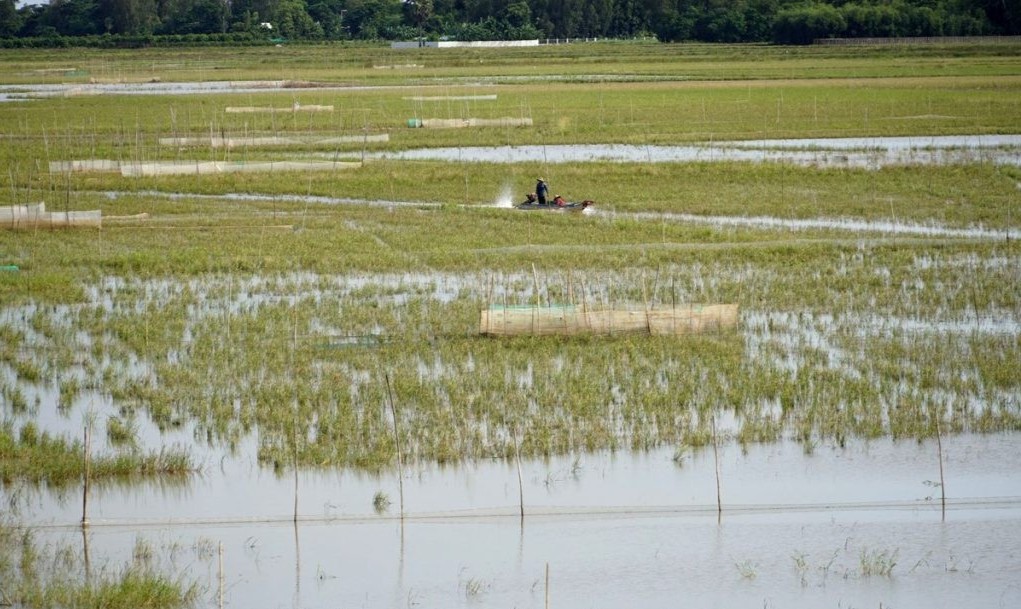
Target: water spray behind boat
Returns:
[506, 197]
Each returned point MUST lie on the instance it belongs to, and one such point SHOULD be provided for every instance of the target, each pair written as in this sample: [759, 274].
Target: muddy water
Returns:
[835, 152]
[620, 530]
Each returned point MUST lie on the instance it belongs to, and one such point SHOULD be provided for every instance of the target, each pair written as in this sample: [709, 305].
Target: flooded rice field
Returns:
[857, 526]
[506, 200]
[804, 518]
[799, 462]
[871, 153]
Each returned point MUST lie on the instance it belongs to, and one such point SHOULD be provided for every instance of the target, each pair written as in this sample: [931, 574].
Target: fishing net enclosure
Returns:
[576, 320]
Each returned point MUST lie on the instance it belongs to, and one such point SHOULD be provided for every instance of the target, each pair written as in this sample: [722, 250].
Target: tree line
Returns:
[141, 22]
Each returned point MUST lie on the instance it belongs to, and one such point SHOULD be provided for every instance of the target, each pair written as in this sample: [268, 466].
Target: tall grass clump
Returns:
[877, 562]
[55, 576]
[39, 457]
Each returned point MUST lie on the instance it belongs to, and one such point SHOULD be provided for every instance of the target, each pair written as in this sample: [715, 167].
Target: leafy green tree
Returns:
[71, 18]
[10, 19]
[1003, 15]
[374, 19]
[721, 25]
[628, 19]
[192, 16]
[804, 24]
[758, 18]
[672, 25]
[133, 17]
[418, 12]
[291, 20]
[329, 14]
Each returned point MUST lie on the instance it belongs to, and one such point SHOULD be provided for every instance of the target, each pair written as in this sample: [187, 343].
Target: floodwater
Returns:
[841, 224]
[798, 527]
[872, 153]
[614, 530]
[506, 200]
[795, 528]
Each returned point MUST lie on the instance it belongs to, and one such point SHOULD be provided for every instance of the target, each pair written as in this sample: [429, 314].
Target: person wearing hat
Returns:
[541, 191]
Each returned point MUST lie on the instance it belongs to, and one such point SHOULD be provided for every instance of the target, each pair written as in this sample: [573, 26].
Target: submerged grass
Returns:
[282, 313]
[45, 576]
[854, 341]
[37, 457]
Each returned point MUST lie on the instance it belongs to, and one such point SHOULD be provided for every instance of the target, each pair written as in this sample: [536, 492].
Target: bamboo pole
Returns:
[645, 298]
[85, 555]
[942, 485]
[294, 455]
[521, 487]
[584, 306]
[397, 442]
[716, 459]
[673, 302]
[538, 301]
[547, 586]
[220, 577]
[85, 482]
[489, 304]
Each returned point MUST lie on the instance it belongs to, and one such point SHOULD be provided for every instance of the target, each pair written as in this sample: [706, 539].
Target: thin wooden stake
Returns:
[397, 442]
[584, 304]
[645, 297]
[673, 303]
[85, 555]
[294, 441]
[220, 605]
[538, 302]
[942, 485]
[489, 307]
[716, 458]
[547, 585]
[521, 487]
[85, 483]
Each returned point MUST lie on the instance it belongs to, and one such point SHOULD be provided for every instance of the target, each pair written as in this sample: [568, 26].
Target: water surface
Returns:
[626, 530]
[871, 153]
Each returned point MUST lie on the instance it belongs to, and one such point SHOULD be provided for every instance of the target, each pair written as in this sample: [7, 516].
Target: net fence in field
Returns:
[573, 320]
[194, 167]
[35, 216]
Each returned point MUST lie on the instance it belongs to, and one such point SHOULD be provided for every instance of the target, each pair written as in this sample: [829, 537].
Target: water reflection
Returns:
[619, 560]
[881, 474]
[625, 529]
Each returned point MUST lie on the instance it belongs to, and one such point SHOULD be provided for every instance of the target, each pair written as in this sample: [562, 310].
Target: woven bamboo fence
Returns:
[212, 167]
[272, 110]
[36, 216]
[567, 320]
[165, 168]
[256, 142]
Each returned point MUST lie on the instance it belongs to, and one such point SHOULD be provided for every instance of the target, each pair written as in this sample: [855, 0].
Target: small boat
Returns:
[532, 203]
